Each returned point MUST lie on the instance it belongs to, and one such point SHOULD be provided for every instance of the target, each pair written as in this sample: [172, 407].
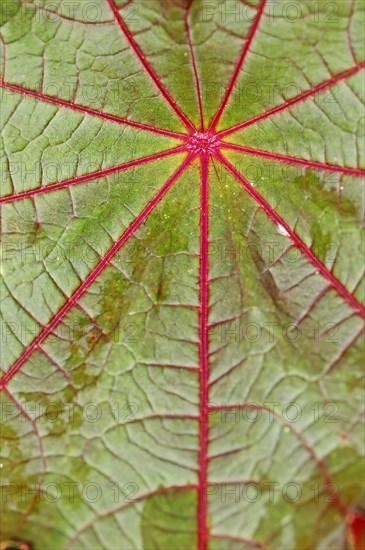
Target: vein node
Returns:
[203, 141]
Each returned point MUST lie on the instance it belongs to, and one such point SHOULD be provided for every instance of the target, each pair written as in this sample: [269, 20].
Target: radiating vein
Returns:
[193, 60]
[89, 111]
[295, 100]
[94, 273]
[203, 454]
[148, 68]
[92, 176]
[294, 160]
[335, 283]
[239, 65]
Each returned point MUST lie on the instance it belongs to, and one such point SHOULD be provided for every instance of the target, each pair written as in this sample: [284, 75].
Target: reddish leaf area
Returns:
[15, 545]
[205, 143]
[356, 523]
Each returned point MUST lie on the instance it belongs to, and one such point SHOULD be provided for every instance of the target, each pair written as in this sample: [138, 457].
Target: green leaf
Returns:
[182, 287]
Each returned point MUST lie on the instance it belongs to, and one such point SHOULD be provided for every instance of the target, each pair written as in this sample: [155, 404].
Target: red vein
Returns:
[93, 175]
[343, 352]
[294, 160]
[126, 503]
[162, 417]
[236, 482]
[92, 112]
[148, 69]
[94, 273]
[295, 100]
[195, 69]
[128, 3]
[202, 501]
[239, 65]
[321, 464]
[42, 457]
[61, 16]
[351, 300]
[168, 366]
[4, 58]
[245, 540]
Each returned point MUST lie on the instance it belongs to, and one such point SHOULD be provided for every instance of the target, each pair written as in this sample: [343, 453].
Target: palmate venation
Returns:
[200, 511]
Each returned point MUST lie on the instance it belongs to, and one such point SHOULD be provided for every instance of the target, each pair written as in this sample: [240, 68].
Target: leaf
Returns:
[182, 274]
